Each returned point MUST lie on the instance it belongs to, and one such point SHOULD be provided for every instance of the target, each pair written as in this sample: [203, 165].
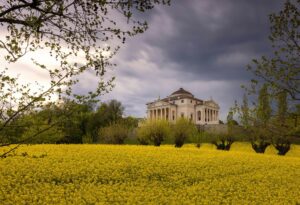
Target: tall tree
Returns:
[245, 115]
[260, 134]
[263, 109]
[282, 108]
[281, 71]
[282, 131]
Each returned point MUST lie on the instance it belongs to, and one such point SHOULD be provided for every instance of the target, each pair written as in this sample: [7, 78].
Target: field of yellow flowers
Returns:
[130, 174]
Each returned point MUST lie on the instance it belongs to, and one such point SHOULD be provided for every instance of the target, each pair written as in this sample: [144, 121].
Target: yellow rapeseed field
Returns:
[129, 174]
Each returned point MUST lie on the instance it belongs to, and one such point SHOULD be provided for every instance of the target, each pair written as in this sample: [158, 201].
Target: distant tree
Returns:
[130, 122]
[282, 108]
[75, 126]
[261, 139]
[182, 130]
[115, 111]
[200, 136]
[281, 130]
[224, 139]
[245, 115]
[154, 132]
[106, 114]
[115, 133]
[264, 109]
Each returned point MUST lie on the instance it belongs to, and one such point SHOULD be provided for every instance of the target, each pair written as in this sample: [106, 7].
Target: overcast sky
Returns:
[202, 46]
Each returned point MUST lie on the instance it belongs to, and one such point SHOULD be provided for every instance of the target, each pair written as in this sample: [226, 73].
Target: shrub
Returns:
[40, 134]
[282, 138]
[222, 141]
[260, 140]
[153, 131]
[114, 134]
[87, 139]
[282, 144]
[201, 136]
[182, 130]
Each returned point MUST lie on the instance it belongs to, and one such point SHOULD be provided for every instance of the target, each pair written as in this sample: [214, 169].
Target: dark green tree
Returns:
[115, 133]
[224, 139]
[106, 114]
[260, 138]
[245, 113]
[155, 132]
[263, 113]
[281, 130]
[182, 130]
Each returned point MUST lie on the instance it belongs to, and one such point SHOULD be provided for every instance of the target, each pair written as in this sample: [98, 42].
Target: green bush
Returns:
[40, 134]
[260, 139]
[87, 139]
[201, 137]
[182, 130]
[153, 132]
[222, 139]
[114, 134]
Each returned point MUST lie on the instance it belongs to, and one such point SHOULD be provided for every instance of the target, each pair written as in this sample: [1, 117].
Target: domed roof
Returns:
[181, 91]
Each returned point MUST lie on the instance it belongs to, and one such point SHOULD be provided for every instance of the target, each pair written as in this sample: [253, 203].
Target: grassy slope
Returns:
[137, 174]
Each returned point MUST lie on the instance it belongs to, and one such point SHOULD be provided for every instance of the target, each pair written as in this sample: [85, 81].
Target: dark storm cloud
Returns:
[206, 33]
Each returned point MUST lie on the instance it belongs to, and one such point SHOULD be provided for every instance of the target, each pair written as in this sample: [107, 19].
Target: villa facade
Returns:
[182, 103]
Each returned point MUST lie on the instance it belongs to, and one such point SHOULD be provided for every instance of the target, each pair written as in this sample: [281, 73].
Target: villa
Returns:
[183, 104]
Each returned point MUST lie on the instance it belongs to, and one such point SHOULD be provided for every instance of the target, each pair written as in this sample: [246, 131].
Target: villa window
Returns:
[199, 115]
[182, 115]
[191, 101]
[182, 101]
[191, 117]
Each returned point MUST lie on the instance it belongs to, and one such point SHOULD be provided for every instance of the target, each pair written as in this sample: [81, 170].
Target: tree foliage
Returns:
[277, 78]
[281, 71]
[154, 131]
[224, 139]
[115, 133]
[263, 111]
[261, 136]
[79, 34]
[182, 130]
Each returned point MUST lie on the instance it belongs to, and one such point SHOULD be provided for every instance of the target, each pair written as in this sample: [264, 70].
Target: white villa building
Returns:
[182, 103]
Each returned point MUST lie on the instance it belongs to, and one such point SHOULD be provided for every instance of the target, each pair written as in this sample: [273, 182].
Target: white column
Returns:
[208, 115]
[214, 115]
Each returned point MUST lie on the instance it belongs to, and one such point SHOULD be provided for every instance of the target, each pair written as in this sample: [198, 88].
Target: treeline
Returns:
[269, 121]
[65, 122]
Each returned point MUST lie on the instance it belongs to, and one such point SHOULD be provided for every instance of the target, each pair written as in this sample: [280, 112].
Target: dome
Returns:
[182, 91]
